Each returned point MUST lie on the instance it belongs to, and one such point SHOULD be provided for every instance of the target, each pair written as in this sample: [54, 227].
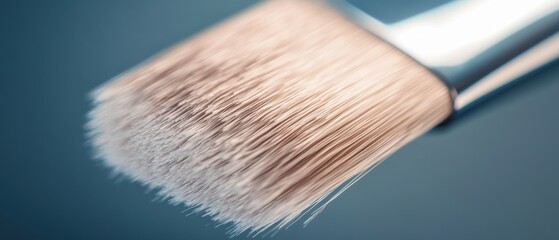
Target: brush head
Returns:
[265, 115]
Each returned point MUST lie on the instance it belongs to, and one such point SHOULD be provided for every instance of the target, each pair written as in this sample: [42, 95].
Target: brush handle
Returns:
[475, 46]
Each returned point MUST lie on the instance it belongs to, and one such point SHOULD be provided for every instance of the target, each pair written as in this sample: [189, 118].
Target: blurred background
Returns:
[493, 175]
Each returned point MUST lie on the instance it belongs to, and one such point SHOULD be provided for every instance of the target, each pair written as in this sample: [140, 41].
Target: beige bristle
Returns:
[259, 118]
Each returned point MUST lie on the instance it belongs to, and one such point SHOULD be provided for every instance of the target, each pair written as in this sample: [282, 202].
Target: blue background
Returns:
[493, 175]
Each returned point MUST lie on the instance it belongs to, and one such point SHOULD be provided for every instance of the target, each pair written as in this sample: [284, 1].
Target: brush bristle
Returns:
[265, 115]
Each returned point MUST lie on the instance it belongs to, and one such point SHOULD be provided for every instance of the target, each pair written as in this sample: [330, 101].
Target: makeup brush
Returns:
[273, 113]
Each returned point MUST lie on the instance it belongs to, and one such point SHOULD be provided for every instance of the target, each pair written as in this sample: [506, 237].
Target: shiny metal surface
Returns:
[468, 42]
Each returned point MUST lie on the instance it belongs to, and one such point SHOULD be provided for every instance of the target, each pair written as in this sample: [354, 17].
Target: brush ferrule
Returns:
[475, 46]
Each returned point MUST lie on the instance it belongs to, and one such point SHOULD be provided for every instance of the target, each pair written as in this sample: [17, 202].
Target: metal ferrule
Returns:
[475, 46]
